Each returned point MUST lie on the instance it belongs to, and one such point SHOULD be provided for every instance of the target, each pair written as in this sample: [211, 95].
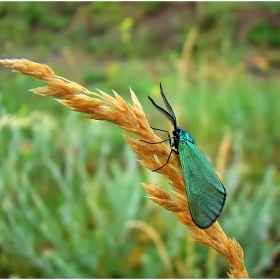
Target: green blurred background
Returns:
[70, 192]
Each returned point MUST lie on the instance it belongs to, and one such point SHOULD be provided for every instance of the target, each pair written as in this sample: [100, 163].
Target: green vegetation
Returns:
[70, 187]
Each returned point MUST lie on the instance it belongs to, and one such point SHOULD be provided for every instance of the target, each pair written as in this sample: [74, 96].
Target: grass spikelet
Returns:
[131, 118]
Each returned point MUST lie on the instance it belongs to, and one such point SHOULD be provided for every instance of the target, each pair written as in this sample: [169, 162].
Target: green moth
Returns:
[206, 193]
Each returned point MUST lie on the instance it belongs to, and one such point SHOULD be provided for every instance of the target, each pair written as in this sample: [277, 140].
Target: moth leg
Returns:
[171, 151]
[169, 138]
[156, 142]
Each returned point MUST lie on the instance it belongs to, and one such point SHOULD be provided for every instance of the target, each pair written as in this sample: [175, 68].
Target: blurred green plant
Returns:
[264, 33]
[97, 26]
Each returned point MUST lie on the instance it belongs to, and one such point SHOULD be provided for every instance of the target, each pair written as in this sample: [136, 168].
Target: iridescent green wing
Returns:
[206, 194]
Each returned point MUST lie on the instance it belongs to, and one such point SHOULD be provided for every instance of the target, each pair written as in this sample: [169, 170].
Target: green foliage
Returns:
[154, 30]
[263, 33]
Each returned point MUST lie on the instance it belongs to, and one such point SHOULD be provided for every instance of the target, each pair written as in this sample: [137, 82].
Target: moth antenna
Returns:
[165, 113]
[168, 106]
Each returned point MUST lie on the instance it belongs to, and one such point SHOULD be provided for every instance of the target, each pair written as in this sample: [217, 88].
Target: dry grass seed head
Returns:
[101, 106]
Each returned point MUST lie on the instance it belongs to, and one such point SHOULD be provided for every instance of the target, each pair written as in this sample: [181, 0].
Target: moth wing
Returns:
[206, 194]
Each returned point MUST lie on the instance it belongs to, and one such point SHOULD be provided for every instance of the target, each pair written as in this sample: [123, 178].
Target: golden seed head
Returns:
[131, 118]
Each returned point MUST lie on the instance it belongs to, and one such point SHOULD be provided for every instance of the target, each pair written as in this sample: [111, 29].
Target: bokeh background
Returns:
[71, 200]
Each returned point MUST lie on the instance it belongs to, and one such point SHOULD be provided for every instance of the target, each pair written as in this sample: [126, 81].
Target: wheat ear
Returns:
[131, 118]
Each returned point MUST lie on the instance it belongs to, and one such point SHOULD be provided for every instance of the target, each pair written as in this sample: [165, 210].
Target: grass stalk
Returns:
[131, 118]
